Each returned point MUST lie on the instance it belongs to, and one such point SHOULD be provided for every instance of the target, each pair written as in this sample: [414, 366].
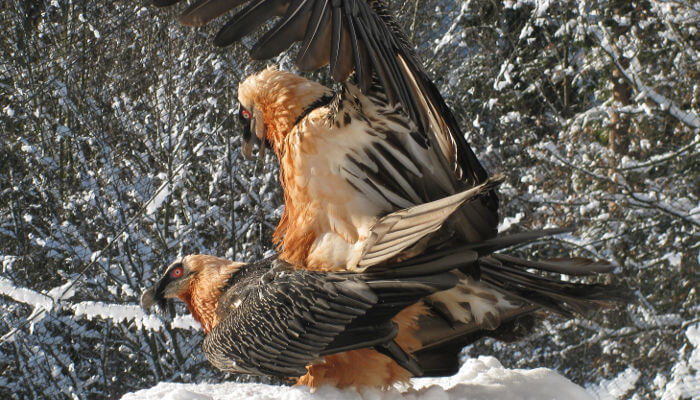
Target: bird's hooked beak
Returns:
[151, 297]
[249, 141]
[254, 131]
[155, 295]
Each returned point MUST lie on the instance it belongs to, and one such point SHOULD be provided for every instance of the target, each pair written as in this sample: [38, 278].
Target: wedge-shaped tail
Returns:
[529, 291]
[499, 295]
[512, 276]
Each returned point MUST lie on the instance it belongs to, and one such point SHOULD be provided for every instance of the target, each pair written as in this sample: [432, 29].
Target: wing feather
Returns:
[164, 3]
[291, 28]
[401, 229]
[363, 75]
[341, 58]
[275, 329]
[203, 11]
[364, 37]
[288, 318]
[315, 50]
[248, 19]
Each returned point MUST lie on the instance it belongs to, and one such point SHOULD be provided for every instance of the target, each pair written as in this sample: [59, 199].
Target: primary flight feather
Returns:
[359, 36]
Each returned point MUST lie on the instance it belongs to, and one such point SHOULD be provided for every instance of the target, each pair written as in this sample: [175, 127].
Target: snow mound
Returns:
[482, 378]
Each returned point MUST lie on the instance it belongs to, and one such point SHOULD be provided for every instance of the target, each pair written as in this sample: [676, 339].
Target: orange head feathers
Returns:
[271, 101]
[198, 281]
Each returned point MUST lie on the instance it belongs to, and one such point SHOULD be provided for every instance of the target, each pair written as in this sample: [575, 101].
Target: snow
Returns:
[687, 117]
[504, 76]
[117, 313]
[161, 195]
[685, 375]
[616, 388]
[186, 322]
[131, 313]
[508, 222]
[39, 301]
[481, 378]
[24, 295]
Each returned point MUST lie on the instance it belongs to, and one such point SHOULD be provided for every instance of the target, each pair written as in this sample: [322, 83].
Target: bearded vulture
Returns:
[365, 328]
[386, 263]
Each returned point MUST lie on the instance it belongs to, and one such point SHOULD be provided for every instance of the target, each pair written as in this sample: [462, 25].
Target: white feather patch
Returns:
[480, 299]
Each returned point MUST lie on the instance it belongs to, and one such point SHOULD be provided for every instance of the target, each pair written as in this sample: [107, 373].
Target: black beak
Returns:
[249, 141]
[250, 133]
[153, 296]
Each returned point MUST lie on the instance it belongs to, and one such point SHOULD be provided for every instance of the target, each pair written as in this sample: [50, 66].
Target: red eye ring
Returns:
[245, 114]
[177, 272]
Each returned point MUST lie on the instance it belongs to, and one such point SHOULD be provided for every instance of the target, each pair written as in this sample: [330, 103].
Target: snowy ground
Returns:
[482, 378]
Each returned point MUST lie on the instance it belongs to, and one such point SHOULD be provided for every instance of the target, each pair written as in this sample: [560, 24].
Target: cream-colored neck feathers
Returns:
[209, 278]
[281, 97]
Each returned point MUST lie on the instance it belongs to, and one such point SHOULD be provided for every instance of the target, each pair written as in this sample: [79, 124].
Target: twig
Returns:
[686, 117]
[663, 158]
[625, 187]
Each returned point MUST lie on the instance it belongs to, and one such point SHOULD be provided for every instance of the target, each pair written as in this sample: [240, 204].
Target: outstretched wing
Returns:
[289, 318]
[348, 35]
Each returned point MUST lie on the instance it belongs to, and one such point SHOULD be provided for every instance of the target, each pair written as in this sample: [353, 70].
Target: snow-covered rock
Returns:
[482, 378]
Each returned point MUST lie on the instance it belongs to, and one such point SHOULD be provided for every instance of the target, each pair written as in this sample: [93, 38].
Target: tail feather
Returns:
[501, 296]
[568, 266]
[498, 295]
[510, 275]
[501, 242]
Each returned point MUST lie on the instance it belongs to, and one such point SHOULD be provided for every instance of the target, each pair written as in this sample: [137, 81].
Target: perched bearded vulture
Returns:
[381, 325]
[386, 265]
[344, 328]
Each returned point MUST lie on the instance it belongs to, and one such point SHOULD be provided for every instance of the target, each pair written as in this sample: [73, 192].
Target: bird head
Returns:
[270, 103]
[197, 280]
[174, 282]
[254, 130]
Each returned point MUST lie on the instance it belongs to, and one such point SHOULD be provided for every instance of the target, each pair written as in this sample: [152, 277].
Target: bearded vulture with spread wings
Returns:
[386, 264]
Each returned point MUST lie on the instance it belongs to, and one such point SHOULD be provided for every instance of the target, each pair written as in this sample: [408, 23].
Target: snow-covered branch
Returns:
[603, 36]
[620, 182]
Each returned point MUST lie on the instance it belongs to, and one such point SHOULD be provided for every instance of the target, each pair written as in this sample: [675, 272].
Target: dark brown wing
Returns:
[280, 320]
[349, 35]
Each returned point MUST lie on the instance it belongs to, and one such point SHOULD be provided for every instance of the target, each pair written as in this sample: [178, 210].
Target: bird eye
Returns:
[177, 272]
[245, 114]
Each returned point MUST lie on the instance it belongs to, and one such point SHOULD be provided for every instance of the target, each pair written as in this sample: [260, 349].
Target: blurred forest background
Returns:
[120, 152]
